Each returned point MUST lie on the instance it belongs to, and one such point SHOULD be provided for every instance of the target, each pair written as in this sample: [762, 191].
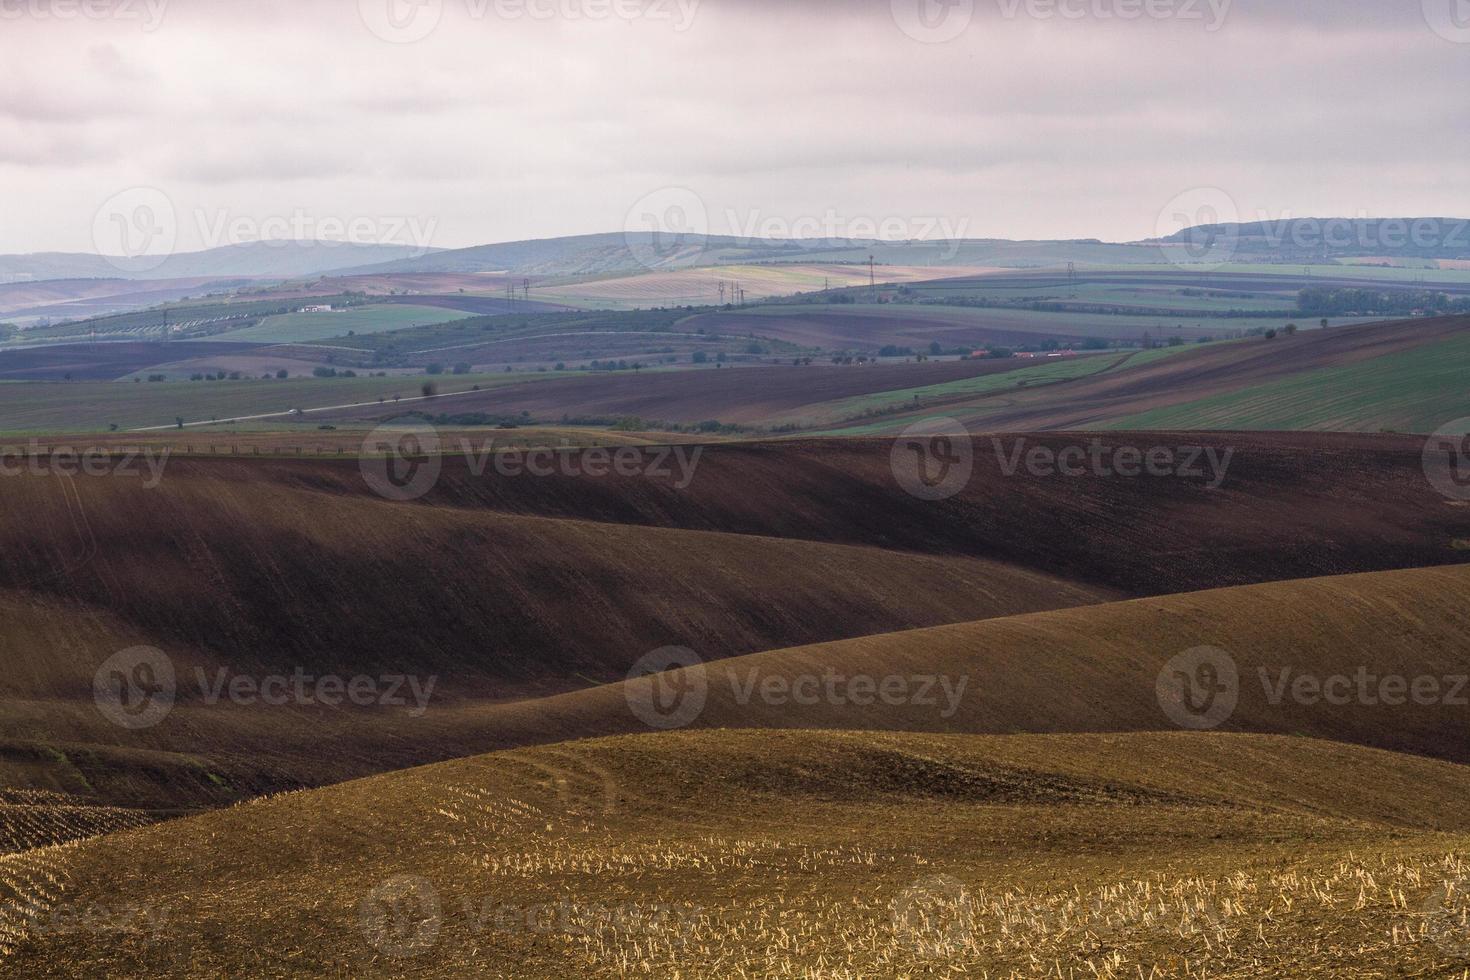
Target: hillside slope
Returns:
[502, 588]
[1136, 395]
[761, 854]
[1117, 391]
[1093, 669]
[1096, 669]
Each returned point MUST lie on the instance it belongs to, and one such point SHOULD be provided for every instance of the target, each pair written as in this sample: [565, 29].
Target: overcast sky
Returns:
[461, 122]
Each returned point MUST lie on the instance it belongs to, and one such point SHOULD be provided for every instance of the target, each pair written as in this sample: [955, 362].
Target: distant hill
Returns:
[618, 252]
[1300, 239]
[271, 260]
[1289, 240]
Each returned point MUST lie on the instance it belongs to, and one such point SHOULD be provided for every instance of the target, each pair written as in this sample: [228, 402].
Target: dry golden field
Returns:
[763, 854]
[917, 739]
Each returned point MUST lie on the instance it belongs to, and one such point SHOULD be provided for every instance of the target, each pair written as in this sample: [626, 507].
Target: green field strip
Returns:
[1417, 390]
[298, 328]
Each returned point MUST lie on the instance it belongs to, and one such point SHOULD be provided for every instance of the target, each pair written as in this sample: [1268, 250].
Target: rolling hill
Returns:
[508, 588]
[1098, 669]
[633, 252]
[1400, 376]
[268, 259]
[1395, 375]
[778, 855]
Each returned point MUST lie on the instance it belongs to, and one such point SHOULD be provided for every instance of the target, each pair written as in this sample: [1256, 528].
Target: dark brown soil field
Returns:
[731, 395]
[105, 361]
[1096, 669]
[513, 587]
[1290, 506]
